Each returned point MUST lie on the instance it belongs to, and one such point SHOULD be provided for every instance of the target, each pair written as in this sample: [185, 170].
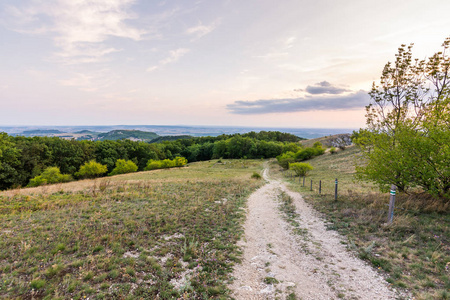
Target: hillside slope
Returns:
[330, 141]
[162, 234]
[413, 252]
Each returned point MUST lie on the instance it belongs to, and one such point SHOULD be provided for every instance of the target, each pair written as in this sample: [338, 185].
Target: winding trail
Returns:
[313, 265]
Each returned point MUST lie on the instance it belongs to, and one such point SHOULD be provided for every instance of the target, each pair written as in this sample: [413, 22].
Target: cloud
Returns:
[342, 102]
[79, 28]
[174, 56]
[90, 81]
[325, 87]
[201, 30]
[152, 68]
[289, 42]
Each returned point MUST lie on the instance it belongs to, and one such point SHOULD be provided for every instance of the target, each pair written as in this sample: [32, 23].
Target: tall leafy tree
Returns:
[407, 124]
[9, 161]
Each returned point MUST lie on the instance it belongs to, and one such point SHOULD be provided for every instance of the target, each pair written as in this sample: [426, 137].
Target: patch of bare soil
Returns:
[280, 263]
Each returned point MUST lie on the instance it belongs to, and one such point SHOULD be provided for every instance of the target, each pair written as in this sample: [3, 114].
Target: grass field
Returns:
[413, 252]
[151, 235]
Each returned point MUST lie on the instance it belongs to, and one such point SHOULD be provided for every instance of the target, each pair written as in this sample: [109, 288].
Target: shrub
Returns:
[180, 161]
[256, 175]
[285, 159]
[333, 150]
[91, 169]
[309, 153]
[167, 163]
[37, 284]
[123, 167]
[49, 176]
[153, 165]
[300, 169]
[164, 164]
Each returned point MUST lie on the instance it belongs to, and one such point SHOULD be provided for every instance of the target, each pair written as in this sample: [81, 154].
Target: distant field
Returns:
[162, 234]
[413, 252]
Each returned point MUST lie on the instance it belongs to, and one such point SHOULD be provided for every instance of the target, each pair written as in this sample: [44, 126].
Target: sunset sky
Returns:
[266, 63]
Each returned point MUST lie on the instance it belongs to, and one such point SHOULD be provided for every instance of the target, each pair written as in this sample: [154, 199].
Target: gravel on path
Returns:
[279, 263]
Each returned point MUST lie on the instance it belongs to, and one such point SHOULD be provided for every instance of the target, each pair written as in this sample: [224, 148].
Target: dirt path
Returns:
[312, 263]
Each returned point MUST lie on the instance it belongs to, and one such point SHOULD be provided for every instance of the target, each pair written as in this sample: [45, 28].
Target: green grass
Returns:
[413, 251]
[170, 233]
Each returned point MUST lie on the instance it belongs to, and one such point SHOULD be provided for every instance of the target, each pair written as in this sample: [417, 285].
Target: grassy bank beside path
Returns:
[413, 252]
[162, 234]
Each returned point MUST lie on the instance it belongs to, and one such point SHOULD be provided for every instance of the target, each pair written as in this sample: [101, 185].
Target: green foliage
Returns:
[166, 163]
[25, 158]
[285, 159]
[91, 169]
[180, 161]
[37, 284]
[300, 169]
[9, 160]
[333, 150]
[124, 166]
[408, 134]
[256, 175]
[49, 176]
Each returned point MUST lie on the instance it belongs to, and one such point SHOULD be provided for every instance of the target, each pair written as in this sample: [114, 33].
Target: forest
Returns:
[24, 158]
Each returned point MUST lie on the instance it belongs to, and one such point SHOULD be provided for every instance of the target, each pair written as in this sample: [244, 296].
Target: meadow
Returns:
[161, 234]
[413, 252]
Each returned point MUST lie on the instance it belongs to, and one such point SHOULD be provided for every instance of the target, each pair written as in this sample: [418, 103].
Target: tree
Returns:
[124, 166]
[91, 169]
[153, 165]
[49, 176]
[180, 161]
[407, 124]
[9, 161]
[300, 169]
[285, 159]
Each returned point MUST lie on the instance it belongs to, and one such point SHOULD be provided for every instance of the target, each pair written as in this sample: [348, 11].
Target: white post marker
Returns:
[391, 204]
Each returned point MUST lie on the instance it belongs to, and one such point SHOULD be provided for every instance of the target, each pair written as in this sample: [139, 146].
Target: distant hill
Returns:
[41, 132]
[335, 140]
[134, 135]
[85, 132]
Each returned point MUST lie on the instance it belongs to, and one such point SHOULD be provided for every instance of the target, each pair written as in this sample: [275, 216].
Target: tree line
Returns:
[24, 158]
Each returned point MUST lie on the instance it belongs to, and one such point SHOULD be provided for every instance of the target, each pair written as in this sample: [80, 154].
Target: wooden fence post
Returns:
[320, 187]
[391, 204]
[311, 185]
[335, 189]
[304, 180]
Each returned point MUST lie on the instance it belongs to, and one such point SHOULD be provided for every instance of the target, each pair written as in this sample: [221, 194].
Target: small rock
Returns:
[269, 289]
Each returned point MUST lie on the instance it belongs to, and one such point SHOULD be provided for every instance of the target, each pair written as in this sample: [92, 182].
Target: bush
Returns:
[91, 169]
[124, 166]
[256, 175]
[300, 169]
[164, 164]
[167, 163]
[153, 165]
[285, 159]
[49, 176]
[333, 150]
[180, 161]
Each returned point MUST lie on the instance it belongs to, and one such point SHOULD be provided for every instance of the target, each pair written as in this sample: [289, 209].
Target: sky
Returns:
[285, 63]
